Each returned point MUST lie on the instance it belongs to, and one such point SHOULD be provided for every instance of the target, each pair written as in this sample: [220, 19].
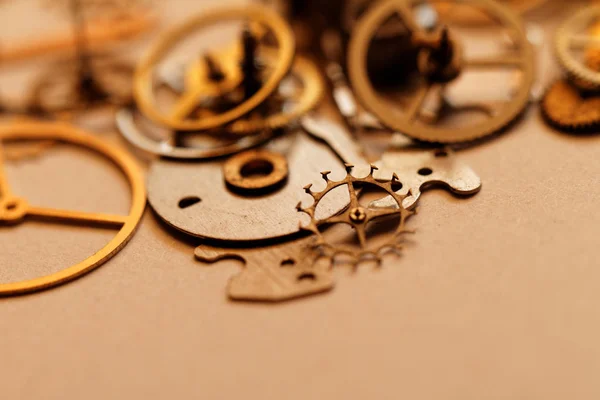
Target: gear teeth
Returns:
[299, 206]
[356, 255]
[373, 169]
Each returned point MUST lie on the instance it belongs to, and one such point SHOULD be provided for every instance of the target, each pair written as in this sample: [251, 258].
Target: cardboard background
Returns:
[496, 298]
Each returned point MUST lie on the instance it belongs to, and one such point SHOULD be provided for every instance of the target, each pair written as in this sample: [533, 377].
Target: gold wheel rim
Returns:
[143, 88]
[388, 114]
[71, 135]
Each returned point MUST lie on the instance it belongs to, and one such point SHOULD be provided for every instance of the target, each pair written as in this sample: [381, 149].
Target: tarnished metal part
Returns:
[178, 117]
[454, 12]
[566, 108]
[433, 83]
[417, 168]
[298, 92]
[357, 216]
[126, 123]
[569, 38]
[220, 213]
[255, 171]
[336, 136]
[274, 273]
[291, 106]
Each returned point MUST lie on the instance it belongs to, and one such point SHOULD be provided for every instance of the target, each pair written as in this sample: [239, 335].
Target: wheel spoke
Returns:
[353, 195]
[486, 108]
[381, 212]
[582, 41]
[496, 61]
[417, 103]
[115, 221]
[362, 235]
[338, 219]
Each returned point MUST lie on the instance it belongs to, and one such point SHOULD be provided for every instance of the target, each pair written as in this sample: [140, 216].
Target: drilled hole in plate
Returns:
[11, 206]
[441, 153]
[288, 262]
[256, 168]
[189, 201]
[425, 171]
[307, 276]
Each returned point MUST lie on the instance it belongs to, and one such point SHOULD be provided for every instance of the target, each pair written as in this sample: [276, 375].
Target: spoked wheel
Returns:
[441, 62]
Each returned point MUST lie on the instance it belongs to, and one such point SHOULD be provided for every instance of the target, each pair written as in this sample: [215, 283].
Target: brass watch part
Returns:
[407, 122]
[449, 10]
[273, 273]
[357, 216]
[16, 210]
[566, 108]
[255, 171]
[128, 126]
[282, 108]
[176, 118]
[287, 108]
[574, 34]
[224, 213]
[592, 52]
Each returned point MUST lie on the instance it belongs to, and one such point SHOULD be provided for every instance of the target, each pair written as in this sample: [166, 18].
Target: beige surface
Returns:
[497, 297]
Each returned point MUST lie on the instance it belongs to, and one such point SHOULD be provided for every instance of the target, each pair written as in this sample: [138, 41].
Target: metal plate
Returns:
[174, 188]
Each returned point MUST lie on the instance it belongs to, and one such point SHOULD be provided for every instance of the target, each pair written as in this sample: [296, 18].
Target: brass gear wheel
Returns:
[569, 37]
[176, 118]
[564, 107]
[473, 18]
[592, 53]
[282, 107]
[16, 210]
[356, 216]
[407, 122]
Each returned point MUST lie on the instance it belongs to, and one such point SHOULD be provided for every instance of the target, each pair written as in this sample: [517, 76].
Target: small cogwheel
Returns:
[569, 39]
[357, 216]
[592, 52]
[564, 107]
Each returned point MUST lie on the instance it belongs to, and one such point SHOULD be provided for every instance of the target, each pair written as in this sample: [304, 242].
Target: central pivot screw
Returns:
[358, 215]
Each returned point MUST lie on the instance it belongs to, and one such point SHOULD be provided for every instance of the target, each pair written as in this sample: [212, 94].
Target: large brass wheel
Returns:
[406, 119]
[178, 117]
[16, 210]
